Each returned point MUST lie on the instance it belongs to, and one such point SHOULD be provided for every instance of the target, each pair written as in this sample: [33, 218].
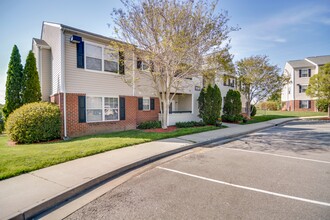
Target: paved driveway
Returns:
[280, 173]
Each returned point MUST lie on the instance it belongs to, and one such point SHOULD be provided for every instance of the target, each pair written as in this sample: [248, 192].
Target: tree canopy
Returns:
[13, 83]
[258, 79]
[319, 85]
[30, 83]
[173, 37]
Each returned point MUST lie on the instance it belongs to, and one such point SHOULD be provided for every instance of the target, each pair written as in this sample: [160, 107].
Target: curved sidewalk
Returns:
[27, 195]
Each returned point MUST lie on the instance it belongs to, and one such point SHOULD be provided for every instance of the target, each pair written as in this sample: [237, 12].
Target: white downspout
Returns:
[133, 74]
[63, 83]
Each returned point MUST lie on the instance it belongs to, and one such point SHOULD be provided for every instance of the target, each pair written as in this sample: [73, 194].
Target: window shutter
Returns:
[309, 104]
[152, 104]
[80, 55]
[299, 88]
[299, 103]
[121, 63]
[309, 72]
[82, 109]
[299, 73]
[140, 104]
[152, 67]
[122, 108]
[138, 63]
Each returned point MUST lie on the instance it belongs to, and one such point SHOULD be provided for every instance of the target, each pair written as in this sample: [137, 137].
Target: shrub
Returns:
[209, 103]
[232, 107]
[322, 105]
[189, 124]
[34, 122]
[253, 110]
[149, 125]
[269, 105]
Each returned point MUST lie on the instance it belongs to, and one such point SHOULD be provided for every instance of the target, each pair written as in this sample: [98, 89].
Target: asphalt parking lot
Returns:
[279, 173]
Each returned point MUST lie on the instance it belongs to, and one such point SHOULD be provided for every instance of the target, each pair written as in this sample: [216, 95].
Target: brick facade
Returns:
[132, 119]
[293, 105]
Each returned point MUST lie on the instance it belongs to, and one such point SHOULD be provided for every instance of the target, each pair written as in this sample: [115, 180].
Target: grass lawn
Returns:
[269, 115]
[18, 159]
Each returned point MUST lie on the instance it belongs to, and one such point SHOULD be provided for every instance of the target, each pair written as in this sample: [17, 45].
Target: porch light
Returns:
[75, 39]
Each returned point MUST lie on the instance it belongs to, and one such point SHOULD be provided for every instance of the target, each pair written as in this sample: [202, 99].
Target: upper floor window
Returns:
[93, 57]
[101, 58]
[302, 88]
[305, 73]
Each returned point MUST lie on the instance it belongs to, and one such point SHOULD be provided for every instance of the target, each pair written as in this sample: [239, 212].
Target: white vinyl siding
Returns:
[102, 109]
[90, 81]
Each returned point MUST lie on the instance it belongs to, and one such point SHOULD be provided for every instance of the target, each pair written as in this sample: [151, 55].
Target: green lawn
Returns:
[18, 159]
[269, 115]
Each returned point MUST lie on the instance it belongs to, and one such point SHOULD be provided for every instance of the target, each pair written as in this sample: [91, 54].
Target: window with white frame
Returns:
[303, 88]
[111, 58]
[93, 57]
[304, 104]
[101, 58]
[304, 73]
[146, 104]
[102, 109]
[144, 66]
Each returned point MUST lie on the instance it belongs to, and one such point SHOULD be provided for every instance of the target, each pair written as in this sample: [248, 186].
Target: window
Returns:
[110, 109]
[93, 57]
[304, 73]
[102, 109]
[146, 104]
[94, 109]
[101, 58]
[302, 88]
[111, 58]
[304, 104]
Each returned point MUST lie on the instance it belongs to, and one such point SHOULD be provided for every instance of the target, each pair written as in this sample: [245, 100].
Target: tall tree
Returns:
[210, 102]
[174, 37]
[13, 83]
[319, 85]
[258, 79]
[30, 83]
[232, 107]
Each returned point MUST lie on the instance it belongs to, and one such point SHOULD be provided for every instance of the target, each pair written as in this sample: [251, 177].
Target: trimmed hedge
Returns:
[232, 118]
[34, 122]
[189, 124]
[149, 125]
[232, 107]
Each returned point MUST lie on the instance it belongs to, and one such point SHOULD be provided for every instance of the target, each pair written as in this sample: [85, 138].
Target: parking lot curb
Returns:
[31, 212]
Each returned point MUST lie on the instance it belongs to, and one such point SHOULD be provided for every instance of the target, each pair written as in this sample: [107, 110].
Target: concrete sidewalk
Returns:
[24, 196]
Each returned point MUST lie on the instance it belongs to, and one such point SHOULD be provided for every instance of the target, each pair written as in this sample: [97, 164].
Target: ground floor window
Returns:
[304, 104]
[146, 104]
[102, 109]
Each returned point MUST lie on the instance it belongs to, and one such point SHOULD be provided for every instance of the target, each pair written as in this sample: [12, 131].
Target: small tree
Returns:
[232, 106]
[13, 83]
[210, 104]
[258, 79]
[31, 84]
[173, 37]
[319, 85]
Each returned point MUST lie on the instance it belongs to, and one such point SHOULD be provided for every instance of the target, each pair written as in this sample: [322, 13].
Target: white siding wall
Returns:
[52, 35]
[46, 89]
[90, 82]
[301, 81]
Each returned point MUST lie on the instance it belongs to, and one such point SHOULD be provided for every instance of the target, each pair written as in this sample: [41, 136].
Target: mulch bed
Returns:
[325, 119]
[160, 130]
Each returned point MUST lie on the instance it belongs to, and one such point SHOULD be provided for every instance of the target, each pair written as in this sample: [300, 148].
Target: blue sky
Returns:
[283, 30]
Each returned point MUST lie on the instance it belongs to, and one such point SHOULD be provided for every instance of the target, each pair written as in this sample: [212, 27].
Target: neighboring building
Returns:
[293, 95]
[80, 72]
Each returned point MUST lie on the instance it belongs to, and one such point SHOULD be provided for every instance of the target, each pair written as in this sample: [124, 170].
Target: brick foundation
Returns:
[293, 105]
[74, 128]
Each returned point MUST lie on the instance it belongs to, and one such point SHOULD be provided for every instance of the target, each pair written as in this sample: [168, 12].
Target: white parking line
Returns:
[276, 155]
[248, 188]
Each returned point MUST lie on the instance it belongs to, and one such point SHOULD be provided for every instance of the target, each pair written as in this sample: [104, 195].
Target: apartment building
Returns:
[293, 95]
